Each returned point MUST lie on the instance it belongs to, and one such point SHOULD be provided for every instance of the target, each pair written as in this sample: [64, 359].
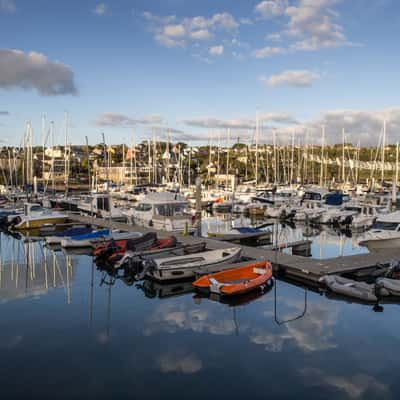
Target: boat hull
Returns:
[37, 223]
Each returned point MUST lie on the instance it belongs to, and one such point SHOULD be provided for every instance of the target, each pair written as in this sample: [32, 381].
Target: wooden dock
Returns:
[297, 267]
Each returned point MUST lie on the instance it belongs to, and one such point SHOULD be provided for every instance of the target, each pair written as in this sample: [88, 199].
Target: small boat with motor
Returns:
[35, 216]
[108, 247]
[164, 248]
[187, 266]
[237, 281]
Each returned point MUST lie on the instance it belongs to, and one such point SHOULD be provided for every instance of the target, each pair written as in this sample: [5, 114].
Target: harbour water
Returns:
[72, 331]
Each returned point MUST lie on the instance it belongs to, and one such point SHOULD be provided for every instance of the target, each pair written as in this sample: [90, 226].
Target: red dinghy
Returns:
[109, 247]
[236, 280]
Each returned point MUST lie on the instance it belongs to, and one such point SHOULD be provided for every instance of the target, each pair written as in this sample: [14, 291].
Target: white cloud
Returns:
[174, 31]
[121, 120]
[169, 31]
[216, 50]
[311, 24]
[7, 6]
[268, 52]
[201, 34]
[271, 8]
[296, 78]
[101, 10]
[34, 71]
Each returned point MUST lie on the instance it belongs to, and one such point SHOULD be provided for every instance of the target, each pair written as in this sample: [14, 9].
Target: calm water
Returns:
[65, 333]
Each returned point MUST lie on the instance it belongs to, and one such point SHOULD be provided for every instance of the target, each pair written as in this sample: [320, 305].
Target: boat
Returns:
[89, 239]
[187, 266]
[100, 205]
[387, 237]
[56, 238]
[161, 249]
[35, 216]
[164, 211]
[108, 247]
[350, 288]
[240, 233]
[388, 287]
[236, 281]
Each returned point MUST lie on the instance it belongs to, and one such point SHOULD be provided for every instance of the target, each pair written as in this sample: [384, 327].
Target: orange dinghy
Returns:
[236, 280]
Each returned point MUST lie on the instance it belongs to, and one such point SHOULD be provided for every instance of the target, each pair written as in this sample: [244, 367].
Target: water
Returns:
[326, 241]
[65, 333]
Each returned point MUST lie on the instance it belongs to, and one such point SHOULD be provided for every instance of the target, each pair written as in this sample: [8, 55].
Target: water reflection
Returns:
[112, 336]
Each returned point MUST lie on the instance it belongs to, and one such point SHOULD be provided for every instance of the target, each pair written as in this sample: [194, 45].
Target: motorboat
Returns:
[35, 216]
[164, 211]
[383, 236]
[187, 266]
[100, 205]
[238, 280]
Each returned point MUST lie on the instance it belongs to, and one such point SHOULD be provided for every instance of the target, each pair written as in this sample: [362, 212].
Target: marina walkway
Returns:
[303, 268]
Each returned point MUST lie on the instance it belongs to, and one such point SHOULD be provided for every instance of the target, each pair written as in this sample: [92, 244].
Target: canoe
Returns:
[187, 266]
[109, 247]
[236, 280]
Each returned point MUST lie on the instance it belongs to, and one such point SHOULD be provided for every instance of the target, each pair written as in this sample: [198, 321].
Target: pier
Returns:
[293, 266]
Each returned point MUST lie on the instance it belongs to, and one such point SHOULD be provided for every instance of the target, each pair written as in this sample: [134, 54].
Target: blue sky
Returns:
[135, 68]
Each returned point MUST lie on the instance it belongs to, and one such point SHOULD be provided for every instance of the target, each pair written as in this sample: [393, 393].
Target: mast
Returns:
[88, 161]
[321, 175]
[343, 167]
[257, 135]
[66, 167]
[227, 157]
[383, 151]
[292, 159]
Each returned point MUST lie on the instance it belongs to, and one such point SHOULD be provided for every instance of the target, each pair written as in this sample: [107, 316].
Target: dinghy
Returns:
[56, 238]
[164, 248]
[90, 239]
[109, 247]
[350, 288]
[184, 267]
[237, 280]
[240, 233]
[388, 287]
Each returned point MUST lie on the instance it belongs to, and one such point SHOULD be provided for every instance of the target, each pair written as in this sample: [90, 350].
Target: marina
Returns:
[199, 200]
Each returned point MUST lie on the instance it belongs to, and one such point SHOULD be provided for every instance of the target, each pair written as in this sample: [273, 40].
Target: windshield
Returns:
[169, 210]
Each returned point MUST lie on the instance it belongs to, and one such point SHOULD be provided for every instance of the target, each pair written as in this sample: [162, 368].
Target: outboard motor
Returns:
[347, 221]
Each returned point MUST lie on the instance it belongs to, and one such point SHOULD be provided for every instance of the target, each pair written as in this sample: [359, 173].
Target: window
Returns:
[144, 207]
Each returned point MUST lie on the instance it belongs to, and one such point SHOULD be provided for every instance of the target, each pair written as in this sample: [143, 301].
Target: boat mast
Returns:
[321, 174]
[383, 151]
[88, 161]
[257, 136]
[66, 167]
[343, 167]
[227, 157]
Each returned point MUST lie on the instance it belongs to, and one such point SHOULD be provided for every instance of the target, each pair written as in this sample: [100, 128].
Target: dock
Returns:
[293, 266]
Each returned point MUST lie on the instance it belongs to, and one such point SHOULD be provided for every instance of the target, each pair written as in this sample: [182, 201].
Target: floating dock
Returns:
[293, 266]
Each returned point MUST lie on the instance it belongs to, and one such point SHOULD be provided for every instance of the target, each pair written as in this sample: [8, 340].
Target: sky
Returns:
[193, 70]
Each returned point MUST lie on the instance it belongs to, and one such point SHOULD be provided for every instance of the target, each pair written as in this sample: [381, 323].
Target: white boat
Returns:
[35, 216]
[188, 266]
[164, 211]
[385, 237]
[365, 217]
[89, 240]
[100, 205]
